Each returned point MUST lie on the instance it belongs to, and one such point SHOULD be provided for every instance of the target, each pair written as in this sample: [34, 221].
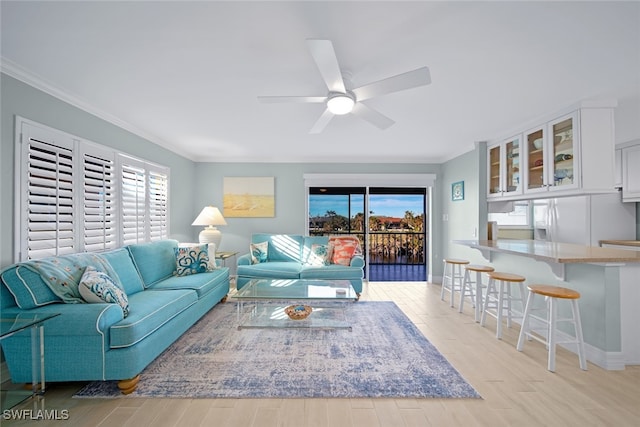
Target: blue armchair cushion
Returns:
[97, 287]
[192, 260]
[271, 270]
[331, 272]
[282, 247]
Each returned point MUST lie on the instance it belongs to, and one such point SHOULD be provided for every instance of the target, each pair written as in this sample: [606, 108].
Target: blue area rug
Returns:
[385, 355]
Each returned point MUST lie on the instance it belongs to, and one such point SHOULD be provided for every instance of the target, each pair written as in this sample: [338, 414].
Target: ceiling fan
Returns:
[341, 100]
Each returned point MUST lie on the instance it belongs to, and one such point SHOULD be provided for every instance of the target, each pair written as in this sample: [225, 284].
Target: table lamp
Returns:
[210, 217]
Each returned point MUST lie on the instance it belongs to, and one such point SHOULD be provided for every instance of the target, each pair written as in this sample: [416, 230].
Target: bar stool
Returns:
[452, 278]
[475, 292]
[552, 295]
[498, 296]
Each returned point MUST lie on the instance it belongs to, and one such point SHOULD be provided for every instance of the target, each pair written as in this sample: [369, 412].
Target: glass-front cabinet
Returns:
[571, 154]
[551, 151]
[495, 164]
[504, 168]
[536, 156]
[512, 161]
[563, 152]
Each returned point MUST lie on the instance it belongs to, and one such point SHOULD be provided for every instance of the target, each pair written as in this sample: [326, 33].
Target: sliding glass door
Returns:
[389, 222]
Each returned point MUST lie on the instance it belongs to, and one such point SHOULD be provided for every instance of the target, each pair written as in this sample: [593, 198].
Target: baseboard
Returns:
[609, 360]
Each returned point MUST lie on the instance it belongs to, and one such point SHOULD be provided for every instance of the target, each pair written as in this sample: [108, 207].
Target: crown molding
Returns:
[20, 73]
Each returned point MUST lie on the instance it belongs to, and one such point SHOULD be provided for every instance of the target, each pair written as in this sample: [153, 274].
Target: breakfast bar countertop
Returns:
[563, 253]
[634, 243]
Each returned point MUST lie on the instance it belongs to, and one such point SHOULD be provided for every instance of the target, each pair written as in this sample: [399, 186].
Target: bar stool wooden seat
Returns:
[452, 277]
[473, 287]
[499, 298]
[552, 295]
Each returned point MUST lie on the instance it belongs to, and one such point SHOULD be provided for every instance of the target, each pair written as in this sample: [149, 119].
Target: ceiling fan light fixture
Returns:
[340, 104]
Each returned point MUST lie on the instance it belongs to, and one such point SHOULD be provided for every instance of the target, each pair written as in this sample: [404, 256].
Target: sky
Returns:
[381, 205]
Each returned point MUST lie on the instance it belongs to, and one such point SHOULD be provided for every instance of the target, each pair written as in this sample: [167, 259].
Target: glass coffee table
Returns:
[294, 303]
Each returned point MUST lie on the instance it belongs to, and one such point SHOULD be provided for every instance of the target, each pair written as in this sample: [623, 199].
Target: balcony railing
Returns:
[389, 247]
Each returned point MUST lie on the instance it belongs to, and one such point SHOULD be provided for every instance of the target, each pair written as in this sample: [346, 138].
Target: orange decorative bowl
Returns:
[298, 311]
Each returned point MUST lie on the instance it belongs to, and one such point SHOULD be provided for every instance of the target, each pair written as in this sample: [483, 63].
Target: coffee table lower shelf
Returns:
[269, 315]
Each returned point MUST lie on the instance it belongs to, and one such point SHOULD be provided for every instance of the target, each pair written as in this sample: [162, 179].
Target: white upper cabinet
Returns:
[631, 173]
[504, 168]
[537, 164]
[571, 154]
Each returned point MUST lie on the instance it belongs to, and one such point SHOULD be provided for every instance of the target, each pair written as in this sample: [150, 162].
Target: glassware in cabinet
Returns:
[512, 154]
[563, 152]
[535, 159]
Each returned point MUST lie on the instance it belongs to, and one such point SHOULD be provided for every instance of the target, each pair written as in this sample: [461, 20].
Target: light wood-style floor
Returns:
[517, 389]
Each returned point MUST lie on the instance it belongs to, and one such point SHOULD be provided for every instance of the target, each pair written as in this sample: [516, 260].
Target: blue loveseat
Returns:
[288, 257]
[96, 341]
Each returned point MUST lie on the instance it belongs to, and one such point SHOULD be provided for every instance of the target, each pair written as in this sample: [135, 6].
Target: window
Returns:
[77, 196]
[519, 217]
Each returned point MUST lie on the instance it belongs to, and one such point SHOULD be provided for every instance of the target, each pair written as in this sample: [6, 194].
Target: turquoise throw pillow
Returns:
[192, 260]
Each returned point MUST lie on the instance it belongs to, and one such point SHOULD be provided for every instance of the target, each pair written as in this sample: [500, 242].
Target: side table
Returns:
[11, 324]
[224, 256]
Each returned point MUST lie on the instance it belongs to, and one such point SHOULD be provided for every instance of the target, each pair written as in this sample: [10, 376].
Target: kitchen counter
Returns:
[632, 243]
[605, 277]
[557, 253]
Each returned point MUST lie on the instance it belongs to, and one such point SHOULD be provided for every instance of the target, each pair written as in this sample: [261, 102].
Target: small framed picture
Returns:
[457, 191]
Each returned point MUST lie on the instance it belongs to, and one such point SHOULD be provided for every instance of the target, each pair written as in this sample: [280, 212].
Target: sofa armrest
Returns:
[357, 261]
[244, 259]
[77, 319]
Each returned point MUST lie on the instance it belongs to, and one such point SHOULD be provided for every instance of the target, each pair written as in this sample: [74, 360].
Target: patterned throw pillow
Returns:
[343, 251]
[320, 255]
[259, 252]
[192, 260]
[96, 287]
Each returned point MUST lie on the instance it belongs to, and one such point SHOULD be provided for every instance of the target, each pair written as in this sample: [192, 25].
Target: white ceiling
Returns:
[186, 74]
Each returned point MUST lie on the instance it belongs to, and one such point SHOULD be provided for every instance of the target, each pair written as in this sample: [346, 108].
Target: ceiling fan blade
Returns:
[322, 122]
[408, 80]
[372, 116]
[303, 99]
[327, 62]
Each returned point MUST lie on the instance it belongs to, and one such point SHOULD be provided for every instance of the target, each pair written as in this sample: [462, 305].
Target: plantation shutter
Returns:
[99, 210]
[48, 226]
[133, 202]
[158, 208]
[73, 195]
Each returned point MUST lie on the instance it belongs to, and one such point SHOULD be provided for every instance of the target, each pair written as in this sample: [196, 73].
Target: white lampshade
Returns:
[210, 217]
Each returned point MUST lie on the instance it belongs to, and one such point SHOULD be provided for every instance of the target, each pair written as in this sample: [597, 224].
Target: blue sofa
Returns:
[287, 258]
[96, 341]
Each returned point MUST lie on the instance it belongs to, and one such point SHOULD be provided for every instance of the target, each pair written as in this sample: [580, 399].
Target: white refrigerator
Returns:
[584, 220]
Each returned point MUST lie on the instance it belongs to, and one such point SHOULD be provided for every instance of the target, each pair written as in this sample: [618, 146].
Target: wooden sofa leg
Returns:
[128, 386]
[224, 299]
